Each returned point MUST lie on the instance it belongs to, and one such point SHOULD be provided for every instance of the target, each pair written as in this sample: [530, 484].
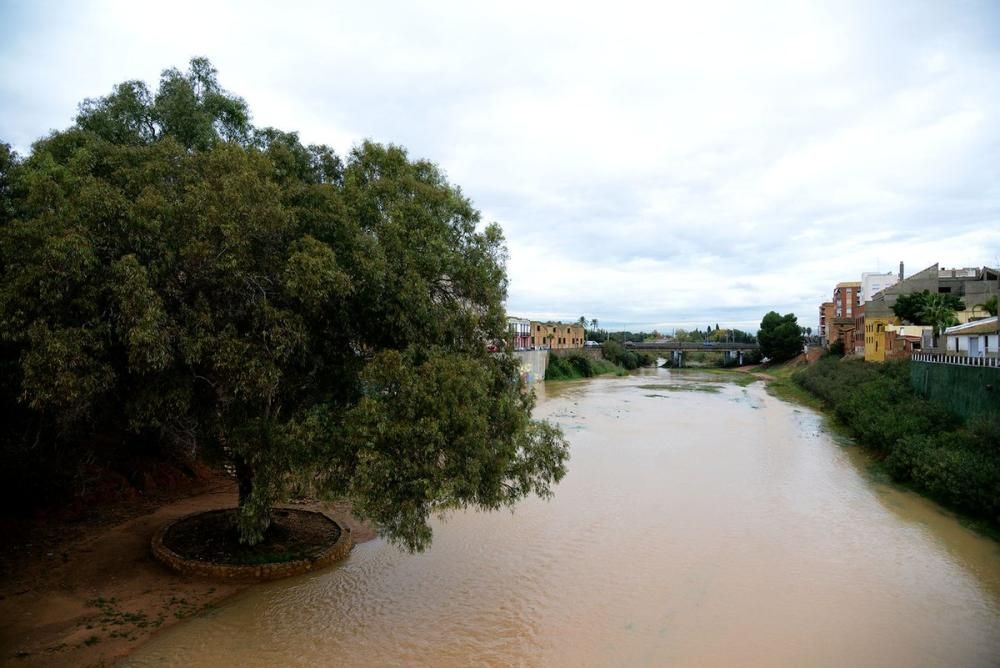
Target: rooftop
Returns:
[984, 326]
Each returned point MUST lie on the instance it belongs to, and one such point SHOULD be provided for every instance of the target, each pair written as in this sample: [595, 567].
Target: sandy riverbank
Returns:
[93, 599]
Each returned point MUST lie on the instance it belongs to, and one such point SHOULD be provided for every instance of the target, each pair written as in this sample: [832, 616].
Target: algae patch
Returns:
[681, 387]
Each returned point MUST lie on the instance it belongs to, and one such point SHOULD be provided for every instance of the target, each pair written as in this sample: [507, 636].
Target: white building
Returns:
[978, 338]
[872, 283]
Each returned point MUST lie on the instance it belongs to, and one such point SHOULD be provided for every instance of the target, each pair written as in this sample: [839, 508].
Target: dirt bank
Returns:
[96, 594]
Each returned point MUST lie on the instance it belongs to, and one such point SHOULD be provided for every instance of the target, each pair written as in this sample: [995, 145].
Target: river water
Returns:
[701, 523]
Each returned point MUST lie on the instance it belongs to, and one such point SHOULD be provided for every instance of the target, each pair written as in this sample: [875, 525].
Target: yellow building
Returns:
[556, 335]
[875, 337]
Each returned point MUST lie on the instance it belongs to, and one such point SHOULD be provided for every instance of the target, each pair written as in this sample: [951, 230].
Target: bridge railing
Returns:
[706, 347]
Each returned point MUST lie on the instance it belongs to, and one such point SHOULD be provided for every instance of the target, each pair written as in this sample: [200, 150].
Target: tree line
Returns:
[716, 334]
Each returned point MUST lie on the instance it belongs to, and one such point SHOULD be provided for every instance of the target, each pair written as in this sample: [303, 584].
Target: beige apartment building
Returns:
[556, 335]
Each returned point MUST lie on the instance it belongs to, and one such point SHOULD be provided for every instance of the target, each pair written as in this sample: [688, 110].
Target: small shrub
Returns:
[836, 349]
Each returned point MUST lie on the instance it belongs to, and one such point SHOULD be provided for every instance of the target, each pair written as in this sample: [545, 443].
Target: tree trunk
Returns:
[254, 515]
[244, 479]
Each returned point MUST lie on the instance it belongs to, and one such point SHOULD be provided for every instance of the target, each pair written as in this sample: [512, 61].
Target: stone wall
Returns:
[256, 572]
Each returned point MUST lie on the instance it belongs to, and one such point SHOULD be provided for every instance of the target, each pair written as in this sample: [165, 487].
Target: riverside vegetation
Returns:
[920, 444]
[616, 359]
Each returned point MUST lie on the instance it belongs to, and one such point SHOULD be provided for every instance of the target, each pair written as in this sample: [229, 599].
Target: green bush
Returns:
[924, 445]
[575, 365]
[581, 364]
[559, 368]
[628, 359]
[570, 366]
[836, 349]
[951, 467]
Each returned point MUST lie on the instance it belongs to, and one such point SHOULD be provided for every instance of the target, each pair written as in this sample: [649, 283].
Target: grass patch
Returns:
[604, 367]
[726, 375]
[782, 385]
[790, 391]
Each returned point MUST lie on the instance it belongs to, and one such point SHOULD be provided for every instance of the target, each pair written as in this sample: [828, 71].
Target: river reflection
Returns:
[701, 523]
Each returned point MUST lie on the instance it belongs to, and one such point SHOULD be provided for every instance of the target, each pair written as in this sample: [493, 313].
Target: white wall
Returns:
[873, 282]
[960, 344]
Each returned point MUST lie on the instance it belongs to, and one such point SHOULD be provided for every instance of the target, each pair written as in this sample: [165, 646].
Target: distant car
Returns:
[591, 344]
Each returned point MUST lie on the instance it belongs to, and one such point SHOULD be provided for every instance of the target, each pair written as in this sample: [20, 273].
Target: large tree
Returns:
[170, 274]
[779, 336]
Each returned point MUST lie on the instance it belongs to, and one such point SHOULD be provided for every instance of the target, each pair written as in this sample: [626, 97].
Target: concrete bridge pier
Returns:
[678, 359]
[731, 356]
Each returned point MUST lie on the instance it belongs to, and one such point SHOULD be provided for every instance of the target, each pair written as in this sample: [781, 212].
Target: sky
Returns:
[653, 165]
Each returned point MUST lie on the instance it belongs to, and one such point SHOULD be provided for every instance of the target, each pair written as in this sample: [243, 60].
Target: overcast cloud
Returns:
[657, 165]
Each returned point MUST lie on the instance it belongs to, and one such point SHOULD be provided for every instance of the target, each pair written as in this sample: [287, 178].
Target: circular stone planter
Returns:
[251, 572]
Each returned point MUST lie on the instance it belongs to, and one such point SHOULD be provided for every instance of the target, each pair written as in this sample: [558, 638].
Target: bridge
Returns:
[731, 350]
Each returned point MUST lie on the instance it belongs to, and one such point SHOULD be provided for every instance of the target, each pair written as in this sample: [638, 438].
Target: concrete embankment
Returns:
[533, 364]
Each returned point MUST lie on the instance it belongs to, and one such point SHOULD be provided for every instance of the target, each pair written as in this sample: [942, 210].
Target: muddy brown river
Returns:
[701, 523]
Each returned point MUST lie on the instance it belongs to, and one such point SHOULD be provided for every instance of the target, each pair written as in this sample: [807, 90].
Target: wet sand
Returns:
[51, 610]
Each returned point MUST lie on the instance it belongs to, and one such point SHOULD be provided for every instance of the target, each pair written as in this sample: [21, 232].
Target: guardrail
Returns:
[957, 360]
[694, 347]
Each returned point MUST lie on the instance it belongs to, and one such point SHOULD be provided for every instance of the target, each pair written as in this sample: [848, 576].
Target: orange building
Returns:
[825, 320]
[846, 303]
[556, 335]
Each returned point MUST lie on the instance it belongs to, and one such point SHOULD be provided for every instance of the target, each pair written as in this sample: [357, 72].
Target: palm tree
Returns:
[938, 314]
[990, 305]
[593, 324]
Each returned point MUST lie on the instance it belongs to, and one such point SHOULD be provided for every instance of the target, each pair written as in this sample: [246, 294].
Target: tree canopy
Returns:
[990, 305]
[938, 311]
[914, 307]
[173, 275]
[779, 336]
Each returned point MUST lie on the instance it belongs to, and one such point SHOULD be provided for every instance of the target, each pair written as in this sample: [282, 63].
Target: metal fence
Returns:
[964, 389]
[957, 360]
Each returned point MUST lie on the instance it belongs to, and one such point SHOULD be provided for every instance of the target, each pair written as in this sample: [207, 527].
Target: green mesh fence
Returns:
[967, 391]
